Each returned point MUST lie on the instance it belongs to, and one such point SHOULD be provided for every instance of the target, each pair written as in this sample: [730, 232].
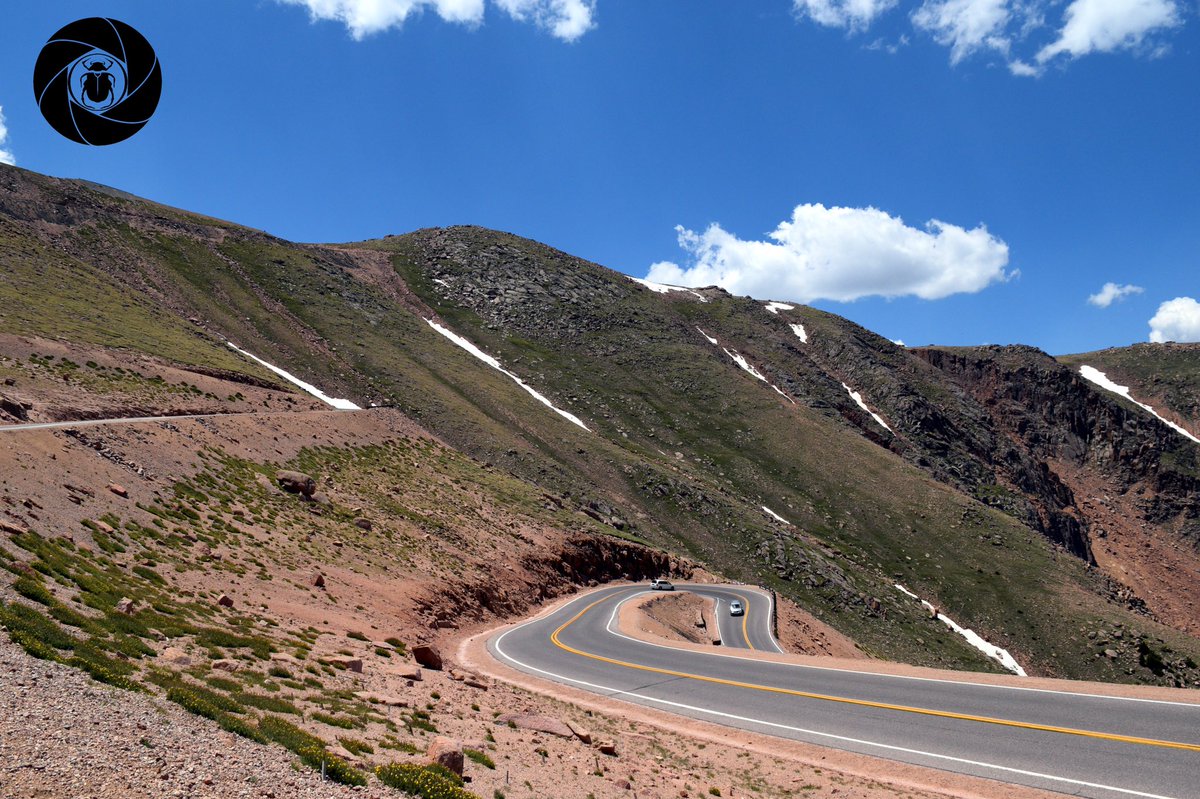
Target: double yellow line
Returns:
[945, 714]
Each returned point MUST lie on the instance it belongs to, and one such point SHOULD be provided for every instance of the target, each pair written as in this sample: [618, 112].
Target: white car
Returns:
[736, 609]
[661, 585]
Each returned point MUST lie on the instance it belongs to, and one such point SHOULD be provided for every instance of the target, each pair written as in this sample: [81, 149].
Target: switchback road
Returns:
[1075, 743]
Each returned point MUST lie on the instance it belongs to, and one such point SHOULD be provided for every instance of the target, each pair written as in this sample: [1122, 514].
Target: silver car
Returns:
[661, 585]
[736, 609]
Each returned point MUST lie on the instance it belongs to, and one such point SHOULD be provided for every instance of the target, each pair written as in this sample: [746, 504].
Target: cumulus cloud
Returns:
[965, 26]
[566, 19]
[1107, 25]
[1024, 35]
[841, 254]
[1111, 293]
[6, 156]
[854, 15]
[1176, 320]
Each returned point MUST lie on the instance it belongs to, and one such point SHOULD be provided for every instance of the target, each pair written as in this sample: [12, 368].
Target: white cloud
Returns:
[1024, 35]
[1176, 320]
[965, 26]
[1107, 25]
[855, 15]
[1111, 293]
[566, 19]
[6, 156]
[841, 254]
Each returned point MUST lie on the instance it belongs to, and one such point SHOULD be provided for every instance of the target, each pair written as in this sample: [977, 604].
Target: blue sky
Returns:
[1054, 144]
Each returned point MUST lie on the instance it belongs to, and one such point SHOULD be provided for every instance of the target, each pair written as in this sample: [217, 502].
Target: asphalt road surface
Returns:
[1074, 743]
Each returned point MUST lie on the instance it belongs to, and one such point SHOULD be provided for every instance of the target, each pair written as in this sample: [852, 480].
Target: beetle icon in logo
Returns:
[97, 81]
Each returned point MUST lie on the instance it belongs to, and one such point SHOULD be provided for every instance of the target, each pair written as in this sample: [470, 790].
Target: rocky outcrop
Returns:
[297, 483]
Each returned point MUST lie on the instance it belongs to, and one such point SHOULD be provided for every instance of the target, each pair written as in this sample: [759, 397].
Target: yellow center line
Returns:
[863, 702]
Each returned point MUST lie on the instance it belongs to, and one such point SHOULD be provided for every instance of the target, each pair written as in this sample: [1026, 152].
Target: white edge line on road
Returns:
[889, 747]
[747, 655]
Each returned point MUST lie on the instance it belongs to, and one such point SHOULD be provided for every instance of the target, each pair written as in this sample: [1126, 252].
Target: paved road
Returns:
[1075, 743]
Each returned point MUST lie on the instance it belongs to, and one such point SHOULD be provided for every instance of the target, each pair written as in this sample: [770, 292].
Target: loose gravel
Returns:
[65, 736]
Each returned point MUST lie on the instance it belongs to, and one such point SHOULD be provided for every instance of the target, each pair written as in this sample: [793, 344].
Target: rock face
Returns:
[446, 752]
[428, 656]
[348, 663]
[546, 724]
[13, 408]
[296, 483]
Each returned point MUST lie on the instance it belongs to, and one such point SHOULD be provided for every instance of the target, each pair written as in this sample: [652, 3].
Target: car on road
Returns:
[736, 609]
[661, 585]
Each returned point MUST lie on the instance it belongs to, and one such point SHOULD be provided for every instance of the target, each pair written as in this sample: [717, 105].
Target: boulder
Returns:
[175, 656]
[12, 529]
[297, 483]
[13, 408]
[348, 663]
[105, 528]
[530, 721]
[607, 748]
[226, 665]
[428, 656]
[118, 490]
[225, 601]
[583, 735]
[467, 678]
[446, 752]
[362, 523]
[126, 606]
[318, 580]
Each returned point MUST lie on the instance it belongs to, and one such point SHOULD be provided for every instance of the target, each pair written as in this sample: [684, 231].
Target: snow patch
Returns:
[800, 332]
[777, 516]
[442, 282]
[663, 288]
[996, 653]
[340, 404]
[711, 340]
[776, 307]
[1094, 375]
[854, 395]
[742, 362]
[495, 364]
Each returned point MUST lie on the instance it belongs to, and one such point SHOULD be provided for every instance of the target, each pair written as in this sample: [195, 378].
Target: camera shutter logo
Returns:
[97, 81]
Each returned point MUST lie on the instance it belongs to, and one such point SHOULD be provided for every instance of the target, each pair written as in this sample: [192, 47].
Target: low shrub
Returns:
[422, 781]
[271, 703]
[479, 757]
[334, 767]
[356, 747]
[33, 589]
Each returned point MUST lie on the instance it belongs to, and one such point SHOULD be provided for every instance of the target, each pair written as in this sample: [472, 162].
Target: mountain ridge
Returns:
[985, 492]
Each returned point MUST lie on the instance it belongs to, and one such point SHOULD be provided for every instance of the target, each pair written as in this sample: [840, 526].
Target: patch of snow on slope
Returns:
[711, 340]
[663, 288]
[776, 307]
[742, 362]
[495, 364]
[801, 332]
[777, 516]
[442, 282]
[340, 404]
[997, 654]
[854, 395]
[1094, 375]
